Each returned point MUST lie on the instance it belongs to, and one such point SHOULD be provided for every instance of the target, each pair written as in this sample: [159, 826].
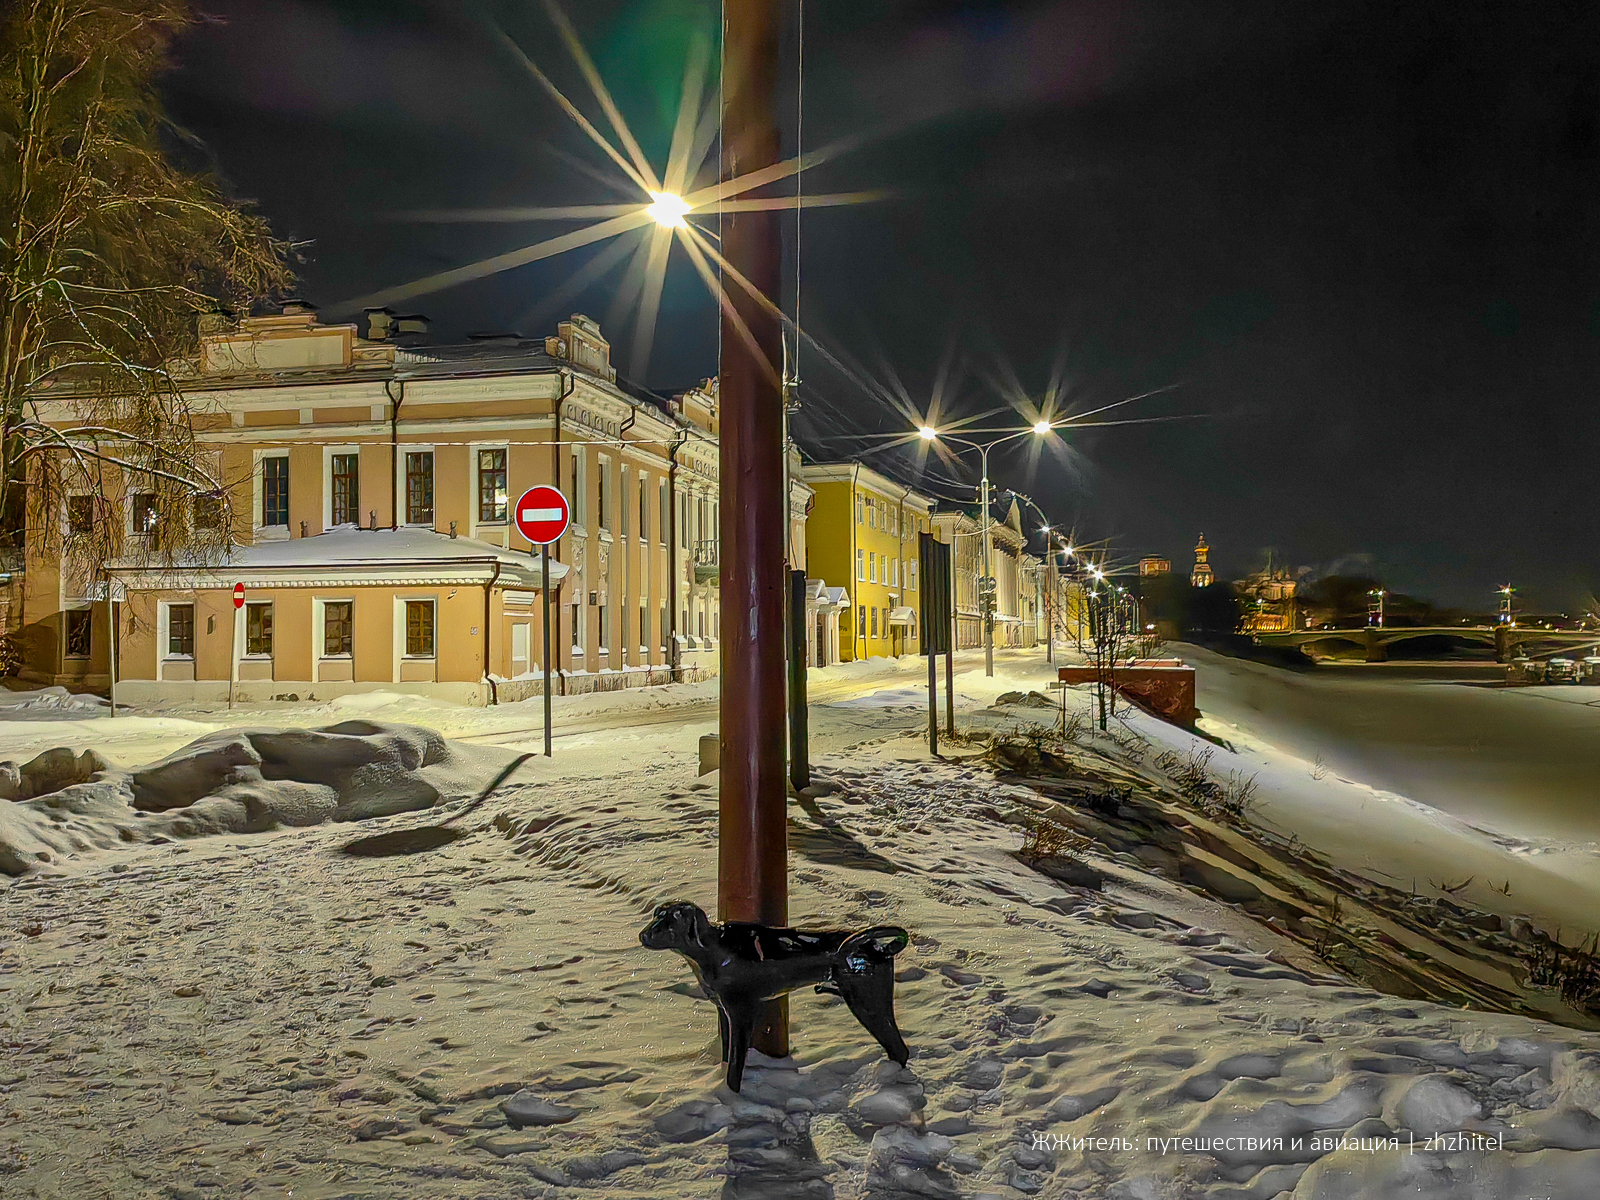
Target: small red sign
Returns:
[542, 515]
[238, 595]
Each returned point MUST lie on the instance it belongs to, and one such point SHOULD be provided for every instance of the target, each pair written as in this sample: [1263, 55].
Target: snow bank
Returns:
[233, 781]
[50, 701]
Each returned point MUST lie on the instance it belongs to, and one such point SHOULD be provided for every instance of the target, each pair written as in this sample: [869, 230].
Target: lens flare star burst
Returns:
[645, 231]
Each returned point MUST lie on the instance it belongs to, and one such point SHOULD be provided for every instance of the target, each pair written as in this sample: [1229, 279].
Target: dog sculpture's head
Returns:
[678, 925]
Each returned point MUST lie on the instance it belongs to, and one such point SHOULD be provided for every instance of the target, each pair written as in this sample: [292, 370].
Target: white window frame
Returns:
[320, 627]
[475, 449]
[328, 453]
[403, 495]
[600, 628]
[400, 602]
[72, 608]
[579, 499]
[578, 622]
[526, 629]
[622, 500]
[605, 512]
[164, 630]
[861, 566]
[263, 533]
[244, 632]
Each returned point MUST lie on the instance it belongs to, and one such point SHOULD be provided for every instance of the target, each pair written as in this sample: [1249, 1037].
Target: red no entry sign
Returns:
[542, 515]
[238, 595]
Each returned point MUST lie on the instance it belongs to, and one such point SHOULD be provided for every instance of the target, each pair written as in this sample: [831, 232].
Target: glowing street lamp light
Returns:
[928, 433]
[668, 210]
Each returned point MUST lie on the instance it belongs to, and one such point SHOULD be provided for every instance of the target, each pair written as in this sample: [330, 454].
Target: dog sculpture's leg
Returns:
[722, 1030]
[866, 981]
[741, 1028]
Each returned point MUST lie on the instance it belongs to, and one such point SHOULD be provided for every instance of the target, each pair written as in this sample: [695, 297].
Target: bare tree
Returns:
[110, 251]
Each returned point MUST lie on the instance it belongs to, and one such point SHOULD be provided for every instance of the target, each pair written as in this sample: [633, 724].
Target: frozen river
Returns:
[1522, 760]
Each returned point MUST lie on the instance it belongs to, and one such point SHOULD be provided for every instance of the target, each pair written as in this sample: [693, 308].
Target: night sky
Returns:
[1362, 238]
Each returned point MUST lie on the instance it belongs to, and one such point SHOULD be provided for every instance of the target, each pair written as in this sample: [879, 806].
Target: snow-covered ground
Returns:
[259, 1014]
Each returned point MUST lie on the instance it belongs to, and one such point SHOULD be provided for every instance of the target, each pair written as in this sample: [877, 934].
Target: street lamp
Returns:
[928, 433]
[668, 210]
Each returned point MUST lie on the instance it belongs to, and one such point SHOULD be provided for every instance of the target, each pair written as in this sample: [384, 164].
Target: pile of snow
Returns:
[231, 781]
[49, 702]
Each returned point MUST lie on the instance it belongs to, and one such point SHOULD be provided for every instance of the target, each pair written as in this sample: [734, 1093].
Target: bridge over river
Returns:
[1376, 640]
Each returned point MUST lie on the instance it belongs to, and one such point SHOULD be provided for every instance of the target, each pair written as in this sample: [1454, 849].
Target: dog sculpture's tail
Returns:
[866, 982]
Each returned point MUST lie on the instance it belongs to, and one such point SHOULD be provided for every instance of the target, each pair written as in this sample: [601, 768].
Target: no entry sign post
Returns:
[542, 516]
[233, 671]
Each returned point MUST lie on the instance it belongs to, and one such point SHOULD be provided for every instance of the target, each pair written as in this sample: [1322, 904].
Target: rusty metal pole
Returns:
[753, 866]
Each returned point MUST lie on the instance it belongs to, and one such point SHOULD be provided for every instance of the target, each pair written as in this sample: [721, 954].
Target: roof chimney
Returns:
[380, 323]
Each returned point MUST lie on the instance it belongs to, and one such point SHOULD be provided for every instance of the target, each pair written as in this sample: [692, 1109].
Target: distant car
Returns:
[1589, 670]
[1524, 670]
[1561, 670]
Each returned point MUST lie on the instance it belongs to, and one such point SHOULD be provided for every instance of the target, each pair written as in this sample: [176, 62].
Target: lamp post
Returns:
[929, 433]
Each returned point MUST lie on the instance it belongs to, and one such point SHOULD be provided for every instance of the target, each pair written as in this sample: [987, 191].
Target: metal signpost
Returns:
[233, 672]
[933, 585]
[542, 516]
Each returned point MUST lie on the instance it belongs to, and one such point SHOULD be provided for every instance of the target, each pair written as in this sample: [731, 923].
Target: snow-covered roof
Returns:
[347, 555]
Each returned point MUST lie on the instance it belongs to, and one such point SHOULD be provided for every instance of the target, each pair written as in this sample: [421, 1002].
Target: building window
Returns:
[911, 574]
[78, 627]
[665, 512]
[861, 565]
[700, 623]
[622, 502]
[858, 510]
[872, 567]
[210, 512]
[601, 517]
[80, 514]
[419, 628]
[419, 488]
[491, 485]
[663, 628]
[275, 490]
[644, 628]
[258, 629]
[180, 631]
[861, 620]
[337, 631]
[577, 626]
[894, 572]
[874, 620]
[346, 489]
[644, 509]
[575, 491]
[603, 635]
[144, 512]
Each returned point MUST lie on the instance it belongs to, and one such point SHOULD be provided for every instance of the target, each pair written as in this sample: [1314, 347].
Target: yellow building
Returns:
[862, 535]
[370, 481]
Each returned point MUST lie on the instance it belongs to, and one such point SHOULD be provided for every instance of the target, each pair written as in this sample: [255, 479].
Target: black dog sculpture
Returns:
[740, 966]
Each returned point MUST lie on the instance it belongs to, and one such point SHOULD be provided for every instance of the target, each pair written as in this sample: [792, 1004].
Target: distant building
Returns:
[1268, 600]
[1155, 566]
[1202, 576]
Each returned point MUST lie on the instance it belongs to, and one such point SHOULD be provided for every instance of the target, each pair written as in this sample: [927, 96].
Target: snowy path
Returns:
[261, 1016]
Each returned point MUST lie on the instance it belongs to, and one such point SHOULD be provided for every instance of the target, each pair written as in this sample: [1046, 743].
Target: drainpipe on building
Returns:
[488, 603]
[394, 451]
[568, 386]
[857, 633]
[674, 655]
[622, 523]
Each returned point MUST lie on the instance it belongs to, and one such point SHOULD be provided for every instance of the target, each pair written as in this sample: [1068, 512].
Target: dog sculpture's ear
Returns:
[699, 925]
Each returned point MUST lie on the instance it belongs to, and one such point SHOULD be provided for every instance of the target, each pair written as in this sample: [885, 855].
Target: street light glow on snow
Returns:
[668, 210]
[1042, 427]
[928, 433]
